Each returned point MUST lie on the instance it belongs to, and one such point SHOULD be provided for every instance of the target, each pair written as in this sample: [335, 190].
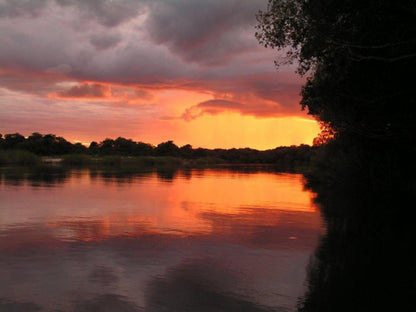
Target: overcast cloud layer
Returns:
[122, 53]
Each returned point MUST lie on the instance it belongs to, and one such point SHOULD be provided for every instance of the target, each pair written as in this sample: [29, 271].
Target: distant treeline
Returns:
[52, 145]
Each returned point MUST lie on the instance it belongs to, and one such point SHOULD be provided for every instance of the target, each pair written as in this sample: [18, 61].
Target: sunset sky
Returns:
[190, 71]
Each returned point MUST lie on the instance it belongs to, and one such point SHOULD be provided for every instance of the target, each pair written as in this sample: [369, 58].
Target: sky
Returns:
[190, 71]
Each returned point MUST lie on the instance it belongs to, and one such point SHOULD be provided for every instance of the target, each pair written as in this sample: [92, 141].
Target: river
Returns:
[167, 240]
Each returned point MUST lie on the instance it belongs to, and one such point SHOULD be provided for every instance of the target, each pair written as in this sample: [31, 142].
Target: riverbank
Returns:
[24, 158]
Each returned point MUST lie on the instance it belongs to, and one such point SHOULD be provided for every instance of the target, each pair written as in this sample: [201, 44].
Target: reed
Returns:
[19, 158]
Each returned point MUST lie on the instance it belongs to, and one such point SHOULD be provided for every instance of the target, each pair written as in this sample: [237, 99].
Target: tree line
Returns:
[52, 145]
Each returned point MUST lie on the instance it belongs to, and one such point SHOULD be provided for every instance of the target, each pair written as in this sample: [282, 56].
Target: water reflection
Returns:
[12, 306]
[37, 176]
[199, 285]
[209, 240]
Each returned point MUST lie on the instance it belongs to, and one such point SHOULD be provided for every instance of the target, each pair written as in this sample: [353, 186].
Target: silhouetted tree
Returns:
[107, 147]
[53, 145]
[356, 54]
[93, 148]
[144, 149]
[124, 146]
[200, 152]
[12, 140]
[34, 143]
[167, 148]
[78, 148]
[186, 151]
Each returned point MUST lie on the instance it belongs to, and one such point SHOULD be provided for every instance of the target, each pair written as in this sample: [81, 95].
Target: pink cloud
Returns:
[85, 90]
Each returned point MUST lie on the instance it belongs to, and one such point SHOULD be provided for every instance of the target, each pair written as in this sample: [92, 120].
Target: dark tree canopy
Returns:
[167, 148]
[356, 54]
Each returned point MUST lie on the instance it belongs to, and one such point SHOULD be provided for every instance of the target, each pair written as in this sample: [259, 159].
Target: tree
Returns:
[12, 140]
[78, 148]
[355, 54]
[167, 148]
[143, 149]
[124, 146]
[93, 148]
[34, 143]
[186, 151]
[107, 147]
[326, 135]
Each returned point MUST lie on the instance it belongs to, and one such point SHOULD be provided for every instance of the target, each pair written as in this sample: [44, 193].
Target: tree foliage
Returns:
[355, 54]
[286, 158]
[48, 144]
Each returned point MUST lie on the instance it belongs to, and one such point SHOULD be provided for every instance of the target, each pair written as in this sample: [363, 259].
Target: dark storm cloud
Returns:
[107, 12]
[102, 41]
[15, 8]
[206, 32]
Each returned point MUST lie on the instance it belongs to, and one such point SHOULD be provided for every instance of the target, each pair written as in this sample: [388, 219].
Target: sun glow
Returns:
[161, 116]
[232, 130]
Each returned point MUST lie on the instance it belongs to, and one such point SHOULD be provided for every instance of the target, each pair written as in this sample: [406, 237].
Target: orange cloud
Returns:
[212, 107]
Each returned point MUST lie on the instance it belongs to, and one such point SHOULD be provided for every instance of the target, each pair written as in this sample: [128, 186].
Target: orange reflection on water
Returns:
[94, 206]
[76, 236]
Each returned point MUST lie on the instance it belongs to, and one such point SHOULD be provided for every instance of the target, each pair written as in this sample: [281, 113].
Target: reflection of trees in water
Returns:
[365, 261]
[121, 175]
[166, 173]
[50, 175]
[36, 176]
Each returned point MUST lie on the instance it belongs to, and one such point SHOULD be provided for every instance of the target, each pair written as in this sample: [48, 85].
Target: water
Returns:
[197, 240]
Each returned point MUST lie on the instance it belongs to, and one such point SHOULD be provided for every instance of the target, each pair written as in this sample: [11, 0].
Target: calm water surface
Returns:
[199, 240]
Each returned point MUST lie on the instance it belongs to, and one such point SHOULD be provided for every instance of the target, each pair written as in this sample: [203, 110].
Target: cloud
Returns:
[212, 107]
[138, 45]
[106, 12]
[143, 94]
[103, 41]
[119, 53]
[85, 91]
[205, 32]
[16, 8]
[104, 94]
